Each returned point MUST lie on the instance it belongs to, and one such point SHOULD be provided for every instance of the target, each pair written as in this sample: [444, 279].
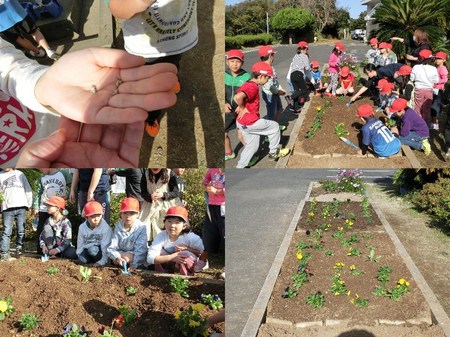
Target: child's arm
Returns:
[240, 99]
[140, 248]
[125, 9]
[106, 241]
[112, 250]
[80, 240]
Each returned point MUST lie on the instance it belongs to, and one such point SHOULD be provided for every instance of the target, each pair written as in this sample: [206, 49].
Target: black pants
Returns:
[300, 89]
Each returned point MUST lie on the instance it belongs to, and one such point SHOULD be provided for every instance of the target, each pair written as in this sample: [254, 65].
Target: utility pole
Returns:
[267, 17]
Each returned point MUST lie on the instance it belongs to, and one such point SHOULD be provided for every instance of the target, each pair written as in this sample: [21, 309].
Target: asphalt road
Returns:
[261, 204]
[283, 58]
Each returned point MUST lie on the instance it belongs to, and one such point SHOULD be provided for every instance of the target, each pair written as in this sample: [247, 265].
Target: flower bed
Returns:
[140, 304]
[341, 266]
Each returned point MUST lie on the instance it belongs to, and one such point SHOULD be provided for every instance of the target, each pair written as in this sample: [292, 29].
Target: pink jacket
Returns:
[443, 77]
[333, 62]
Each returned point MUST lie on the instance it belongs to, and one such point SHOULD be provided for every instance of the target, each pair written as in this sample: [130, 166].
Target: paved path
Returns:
[283, 58]
[263, 203]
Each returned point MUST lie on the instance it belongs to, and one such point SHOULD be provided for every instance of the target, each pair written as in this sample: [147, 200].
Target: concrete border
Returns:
[436, 308]
[257, 313]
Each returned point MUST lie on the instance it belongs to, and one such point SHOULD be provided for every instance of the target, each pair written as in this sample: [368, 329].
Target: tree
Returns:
[248, 17]
[322, 10]
[360, 22]
[289, 21]
[402, 17]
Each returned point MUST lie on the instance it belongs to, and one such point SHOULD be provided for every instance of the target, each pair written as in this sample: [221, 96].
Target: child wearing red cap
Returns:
[249, 121]
[129, 240]
[373, 52]
[387, 96]
[16, 199]
[436, 106]
[424, 76]
[315, 76]
[300, 76]
[347, 80]
[94, 236]
[386, 55]
[414, 131]
[56, 236]
[406, 86]
[334, 68]
[376, 135]
[175, 247]
[235, 77]
[272, 90]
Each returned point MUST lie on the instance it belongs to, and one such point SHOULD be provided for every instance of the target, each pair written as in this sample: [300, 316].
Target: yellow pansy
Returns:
[348, 293]
[340, 229]
[356, 296]
[299, 255]
[311, 214]
[198, 307]
[352, 267]
[177, 314]
[3, 306]
[401, 281]
[407, 283]
[318, 108]
[193, 323]
[352, 301]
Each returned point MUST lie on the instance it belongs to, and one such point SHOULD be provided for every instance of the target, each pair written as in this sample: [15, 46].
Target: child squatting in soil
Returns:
[347, 80]
[316, 84]
[56, 236]
[376, 135]
[249, 121]
[129, 240]
[414, 131]
[176, 247]
[94, 236]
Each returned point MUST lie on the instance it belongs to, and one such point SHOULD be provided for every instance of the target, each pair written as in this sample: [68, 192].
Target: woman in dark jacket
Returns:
[419, 42]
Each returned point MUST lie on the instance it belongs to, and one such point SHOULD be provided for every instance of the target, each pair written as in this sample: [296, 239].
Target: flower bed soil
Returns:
[61, 298]
[411, 308]
[326, 146]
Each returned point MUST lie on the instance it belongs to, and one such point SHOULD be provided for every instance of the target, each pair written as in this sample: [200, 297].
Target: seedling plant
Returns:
[128, 314]
[180, 285]
[213, 301]
[130, 290]
[190, 322]
[52, 270]
[316, 299]
[29, 321]
[6, 307]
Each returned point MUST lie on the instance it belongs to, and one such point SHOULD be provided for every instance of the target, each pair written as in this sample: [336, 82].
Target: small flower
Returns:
[193, 323]
[3, 306]
[299, 255]
[348, 293]
[318, 108]
[340, 229]
[352, 267]
[311, 214]
[356, 296]
[177, 314]
[118, 321]
[198, 307]
[401, 281]
[101, 330]
[407, 283]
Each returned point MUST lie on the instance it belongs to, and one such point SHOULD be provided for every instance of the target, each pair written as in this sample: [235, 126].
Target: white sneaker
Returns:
[39, 54]
[201, 265]
[52, 54]
[434, 126]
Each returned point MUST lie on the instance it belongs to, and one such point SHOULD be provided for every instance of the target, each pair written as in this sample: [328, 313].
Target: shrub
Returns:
[194, 196]
[239, 41]
[434, 198]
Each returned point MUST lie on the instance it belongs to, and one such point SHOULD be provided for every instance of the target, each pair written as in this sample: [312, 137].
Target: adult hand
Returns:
[83, 86]
[114, 145]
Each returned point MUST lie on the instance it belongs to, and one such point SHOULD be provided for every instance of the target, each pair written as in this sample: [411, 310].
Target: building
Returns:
[372, 6]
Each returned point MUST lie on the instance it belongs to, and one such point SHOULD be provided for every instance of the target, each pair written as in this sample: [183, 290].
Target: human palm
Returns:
[83, 86]
[114, 145]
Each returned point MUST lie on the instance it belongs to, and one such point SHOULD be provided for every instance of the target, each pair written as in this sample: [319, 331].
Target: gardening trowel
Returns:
[346, 141]
[125, 269]
[44, 258]
[348, 103]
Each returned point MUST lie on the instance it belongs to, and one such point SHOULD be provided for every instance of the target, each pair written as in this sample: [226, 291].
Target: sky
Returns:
[354, 6]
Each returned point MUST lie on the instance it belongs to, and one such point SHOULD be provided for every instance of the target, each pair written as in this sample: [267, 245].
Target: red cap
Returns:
[339, 46]
[381, 83]
[364, 110]
[263, 69]
[398, 104]
[314, 64]
[91, 208]
[425, 54]
[56, 201]
[266, 50]
[404, 70]
[345, 71]
[178, 211]
[373, 41]
[129, 205]
[303, 44]
[383, 45]
[441, 55]
[235, 54]
[387, 87]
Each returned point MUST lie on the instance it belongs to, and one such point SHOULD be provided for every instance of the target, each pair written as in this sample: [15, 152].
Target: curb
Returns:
[437, 310]
[259, 309]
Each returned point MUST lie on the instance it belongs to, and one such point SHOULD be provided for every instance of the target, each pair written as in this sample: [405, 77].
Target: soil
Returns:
[295, 310]
[61, 298]
[325, 142]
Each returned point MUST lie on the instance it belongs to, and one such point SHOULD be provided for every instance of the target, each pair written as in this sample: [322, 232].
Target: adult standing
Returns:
[53, 183]
[93, 185]
[160, 192]
[16, 200]
[133, 181]
[418, 42]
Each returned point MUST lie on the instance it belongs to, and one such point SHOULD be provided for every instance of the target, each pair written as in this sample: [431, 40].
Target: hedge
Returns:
[240, 41]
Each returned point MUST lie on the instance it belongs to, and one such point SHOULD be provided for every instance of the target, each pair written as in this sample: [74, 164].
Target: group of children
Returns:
[175, 248]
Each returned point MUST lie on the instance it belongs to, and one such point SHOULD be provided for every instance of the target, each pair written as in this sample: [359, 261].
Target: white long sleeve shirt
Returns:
[162, 241]
[99, 236]
[424, 76]
[25, 121]
[134, 241]
[15, 189]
